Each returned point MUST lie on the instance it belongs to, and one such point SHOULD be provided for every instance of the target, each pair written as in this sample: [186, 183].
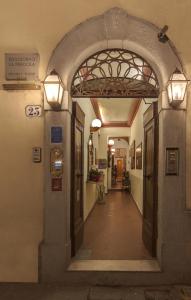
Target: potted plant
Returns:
[94, 175]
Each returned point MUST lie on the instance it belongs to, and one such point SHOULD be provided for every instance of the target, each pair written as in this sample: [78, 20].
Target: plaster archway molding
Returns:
[113, 29]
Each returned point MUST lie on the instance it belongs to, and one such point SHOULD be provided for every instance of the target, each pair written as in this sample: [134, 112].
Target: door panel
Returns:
[77, 181]
[119, 167]
[149, 232]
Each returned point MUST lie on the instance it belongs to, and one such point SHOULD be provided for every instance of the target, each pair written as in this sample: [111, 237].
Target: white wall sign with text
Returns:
[22, 66]
[33, 111]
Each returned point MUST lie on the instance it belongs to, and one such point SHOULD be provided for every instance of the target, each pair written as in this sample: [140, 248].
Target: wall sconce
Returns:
[54, 90]
[90, 141]
[113, 151]
[95, 125]
[111, 142]
[176, 88]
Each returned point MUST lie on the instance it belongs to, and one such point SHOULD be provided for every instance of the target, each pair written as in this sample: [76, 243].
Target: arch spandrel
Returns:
[113, 29]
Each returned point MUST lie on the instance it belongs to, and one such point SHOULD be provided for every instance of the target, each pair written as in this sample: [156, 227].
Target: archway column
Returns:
[55, 249]
[171, 189]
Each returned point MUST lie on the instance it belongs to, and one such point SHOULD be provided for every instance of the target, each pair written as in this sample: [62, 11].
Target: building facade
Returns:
[35, 219]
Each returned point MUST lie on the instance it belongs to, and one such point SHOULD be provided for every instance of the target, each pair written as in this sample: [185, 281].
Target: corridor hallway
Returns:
[113, 231]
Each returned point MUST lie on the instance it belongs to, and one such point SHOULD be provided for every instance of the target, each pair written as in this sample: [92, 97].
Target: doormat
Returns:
[84, 254]
[158, 295]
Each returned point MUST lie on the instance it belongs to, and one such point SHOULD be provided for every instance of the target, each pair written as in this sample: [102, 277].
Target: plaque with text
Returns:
[102, 163]
[32, 111]
[22, 66]
[172, 161]
[56, 184]
[56, 134]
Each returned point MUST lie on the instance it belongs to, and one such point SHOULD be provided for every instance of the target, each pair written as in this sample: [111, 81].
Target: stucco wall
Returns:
[31, 27]
[136, 176]
[21, 191]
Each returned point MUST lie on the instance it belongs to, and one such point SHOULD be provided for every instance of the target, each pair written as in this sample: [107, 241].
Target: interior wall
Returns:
[136, 175]
[21, 192]
[89, 188]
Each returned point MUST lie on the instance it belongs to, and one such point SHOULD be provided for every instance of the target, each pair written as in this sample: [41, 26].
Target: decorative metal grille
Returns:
[115, 73]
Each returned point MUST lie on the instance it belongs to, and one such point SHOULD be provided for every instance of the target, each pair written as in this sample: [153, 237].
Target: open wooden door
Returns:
[77, 177]
[150, 180]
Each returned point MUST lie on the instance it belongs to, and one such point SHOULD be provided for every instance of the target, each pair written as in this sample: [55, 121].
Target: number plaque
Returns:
[32, 111]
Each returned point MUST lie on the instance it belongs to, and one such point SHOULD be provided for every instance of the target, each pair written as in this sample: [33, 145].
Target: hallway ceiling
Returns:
[40, 25]
[115, 112]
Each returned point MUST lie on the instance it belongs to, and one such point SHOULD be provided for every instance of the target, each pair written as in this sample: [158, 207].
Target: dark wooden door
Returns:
[77, 178]
[150, 180]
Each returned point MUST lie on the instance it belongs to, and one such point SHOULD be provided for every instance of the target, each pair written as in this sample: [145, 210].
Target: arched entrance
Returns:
[113, 29]
[114, 73]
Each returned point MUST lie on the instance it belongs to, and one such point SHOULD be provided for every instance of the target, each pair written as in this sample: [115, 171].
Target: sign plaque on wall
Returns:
[172, 161]
[22, 66]
[56, 184]
[33, 111]
[102, 163]
[56, 134]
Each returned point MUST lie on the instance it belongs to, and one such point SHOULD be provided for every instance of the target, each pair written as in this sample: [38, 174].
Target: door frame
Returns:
[151, 114]
[78, 119]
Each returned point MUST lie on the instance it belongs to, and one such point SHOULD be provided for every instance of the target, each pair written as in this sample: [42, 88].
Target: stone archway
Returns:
[113, 29]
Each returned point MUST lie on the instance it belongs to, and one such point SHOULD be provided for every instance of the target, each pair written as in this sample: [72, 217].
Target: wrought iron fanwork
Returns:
[115, 73]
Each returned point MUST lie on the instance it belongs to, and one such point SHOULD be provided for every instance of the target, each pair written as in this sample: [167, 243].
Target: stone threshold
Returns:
[151, 265]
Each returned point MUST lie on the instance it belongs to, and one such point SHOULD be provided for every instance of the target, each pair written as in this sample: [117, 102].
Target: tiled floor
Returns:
[113, 231]
[118, 184]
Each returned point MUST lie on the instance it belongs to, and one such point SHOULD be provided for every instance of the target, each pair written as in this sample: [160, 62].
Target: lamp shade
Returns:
[53, 89]
[96, 123]
[111, 142]
[176, 88]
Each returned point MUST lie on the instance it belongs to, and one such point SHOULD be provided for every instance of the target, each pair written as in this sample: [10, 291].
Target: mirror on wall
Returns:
[139, 157]
[90, 152]
[132, 155]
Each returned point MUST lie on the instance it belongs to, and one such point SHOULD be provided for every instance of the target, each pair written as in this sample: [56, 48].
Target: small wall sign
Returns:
[22, 66]
[56, 134]
[33, 111]
[172, 161]
[102, 163]
[56, 184]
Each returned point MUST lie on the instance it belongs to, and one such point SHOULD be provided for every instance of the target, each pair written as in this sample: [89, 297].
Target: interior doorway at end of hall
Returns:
[119, 169]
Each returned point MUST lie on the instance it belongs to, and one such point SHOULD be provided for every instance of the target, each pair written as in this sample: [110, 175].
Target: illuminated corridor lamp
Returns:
[54, 90]
[96, 123]
[111, 142]
[90, 141]
[113, 151]
[176, 88]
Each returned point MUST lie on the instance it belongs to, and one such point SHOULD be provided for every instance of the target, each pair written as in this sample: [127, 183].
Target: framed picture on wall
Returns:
[139, 157]
[95, 155]
[132, 154]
